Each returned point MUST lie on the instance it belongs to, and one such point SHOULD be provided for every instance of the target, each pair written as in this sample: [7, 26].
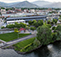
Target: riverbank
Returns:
[53, 51]
[35, 48]
[12, 47]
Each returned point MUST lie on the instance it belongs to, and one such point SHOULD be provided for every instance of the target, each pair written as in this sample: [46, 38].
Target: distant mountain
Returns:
[41, 3]
[12, 3]
[25, 4]
[36, 4]
[54, 5]
[2, 4]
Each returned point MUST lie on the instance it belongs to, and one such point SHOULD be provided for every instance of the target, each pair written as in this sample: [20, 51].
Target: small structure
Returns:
[22, 30]
[3, 11]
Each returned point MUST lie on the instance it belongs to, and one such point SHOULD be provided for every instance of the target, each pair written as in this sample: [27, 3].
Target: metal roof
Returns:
[33, 17]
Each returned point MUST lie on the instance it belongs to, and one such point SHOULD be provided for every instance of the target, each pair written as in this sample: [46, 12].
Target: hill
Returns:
[25, 4]
[41, 3]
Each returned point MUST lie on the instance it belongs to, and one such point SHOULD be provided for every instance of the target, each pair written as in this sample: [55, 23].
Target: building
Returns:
[24, 19]
[22, 30]
[12, 22]
[18, 10]
[10, 12]
[3, 11]
[32, 10]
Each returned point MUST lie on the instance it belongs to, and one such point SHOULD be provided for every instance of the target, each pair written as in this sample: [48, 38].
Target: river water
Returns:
[51, 50]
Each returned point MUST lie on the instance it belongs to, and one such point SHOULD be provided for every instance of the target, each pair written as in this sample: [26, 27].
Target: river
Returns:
[51, 50]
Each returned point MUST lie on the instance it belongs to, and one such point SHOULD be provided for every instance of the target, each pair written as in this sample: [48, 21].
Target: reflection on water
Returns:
[52, 50]
[55, 49]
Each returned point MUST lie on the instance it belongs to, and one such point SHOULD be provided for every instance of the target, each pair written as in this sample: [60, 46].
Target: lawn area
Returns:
[11, 36]
[21, 45]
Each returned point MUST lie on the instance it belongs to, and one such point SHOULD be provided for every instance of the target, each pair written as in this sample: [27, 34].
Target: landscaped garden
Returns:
[11, 36]
[25, 45]
[44, 37]
[46, 33]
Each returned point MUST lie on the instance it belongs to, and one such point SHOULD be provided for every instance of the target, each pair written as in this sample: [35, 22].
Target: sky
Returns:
[10, 1]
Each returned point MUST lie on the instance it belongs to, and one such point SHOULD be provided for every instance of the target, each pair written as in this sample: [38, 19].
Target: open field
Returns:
[11, 36]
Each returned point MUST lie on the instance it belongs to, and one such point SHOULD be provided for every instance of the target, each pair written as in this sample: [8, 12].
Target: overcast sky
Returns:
[10, 1]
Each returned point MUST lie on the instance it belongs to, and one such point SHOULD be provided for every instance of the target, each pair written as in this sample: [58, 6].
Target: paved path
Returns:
[18, 40]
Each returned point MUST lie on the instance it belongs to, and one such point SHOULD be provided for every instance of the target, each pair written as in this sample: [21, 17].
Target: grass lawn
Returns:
[11, 36]
[22, 44]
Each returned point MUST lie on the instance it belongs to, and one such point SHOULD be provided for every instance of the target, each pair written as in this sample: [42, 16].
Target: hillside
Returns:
[25, 4]
[41, 3]
[54, 5]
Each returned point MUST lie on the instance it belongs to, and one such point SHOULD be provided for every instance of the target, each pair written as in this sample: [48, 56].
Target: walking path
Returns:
[17, 40]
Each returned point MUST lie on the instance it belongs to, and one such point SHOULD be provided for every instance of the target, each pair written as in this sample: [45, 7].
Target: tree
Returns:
[48, 22]
[27, 27]
[34, 21]
[53, 28]
[52, 23]
[58, 35]
[44, 34]
[2, 27]
[55, 21]
[15, 30]
[40, 22]
[35, 24]
[36, 43]
[10, 26]
[48, 25]
[2, 8]
[54, 36]
[22, 25]
[58, 28]
[30, 22]
[32, 28]
[17, 25]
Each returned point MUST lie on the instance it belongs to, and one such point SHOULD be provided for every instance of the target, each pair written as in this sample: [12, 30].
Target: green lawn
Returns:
[11, 36]
[23, 44]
